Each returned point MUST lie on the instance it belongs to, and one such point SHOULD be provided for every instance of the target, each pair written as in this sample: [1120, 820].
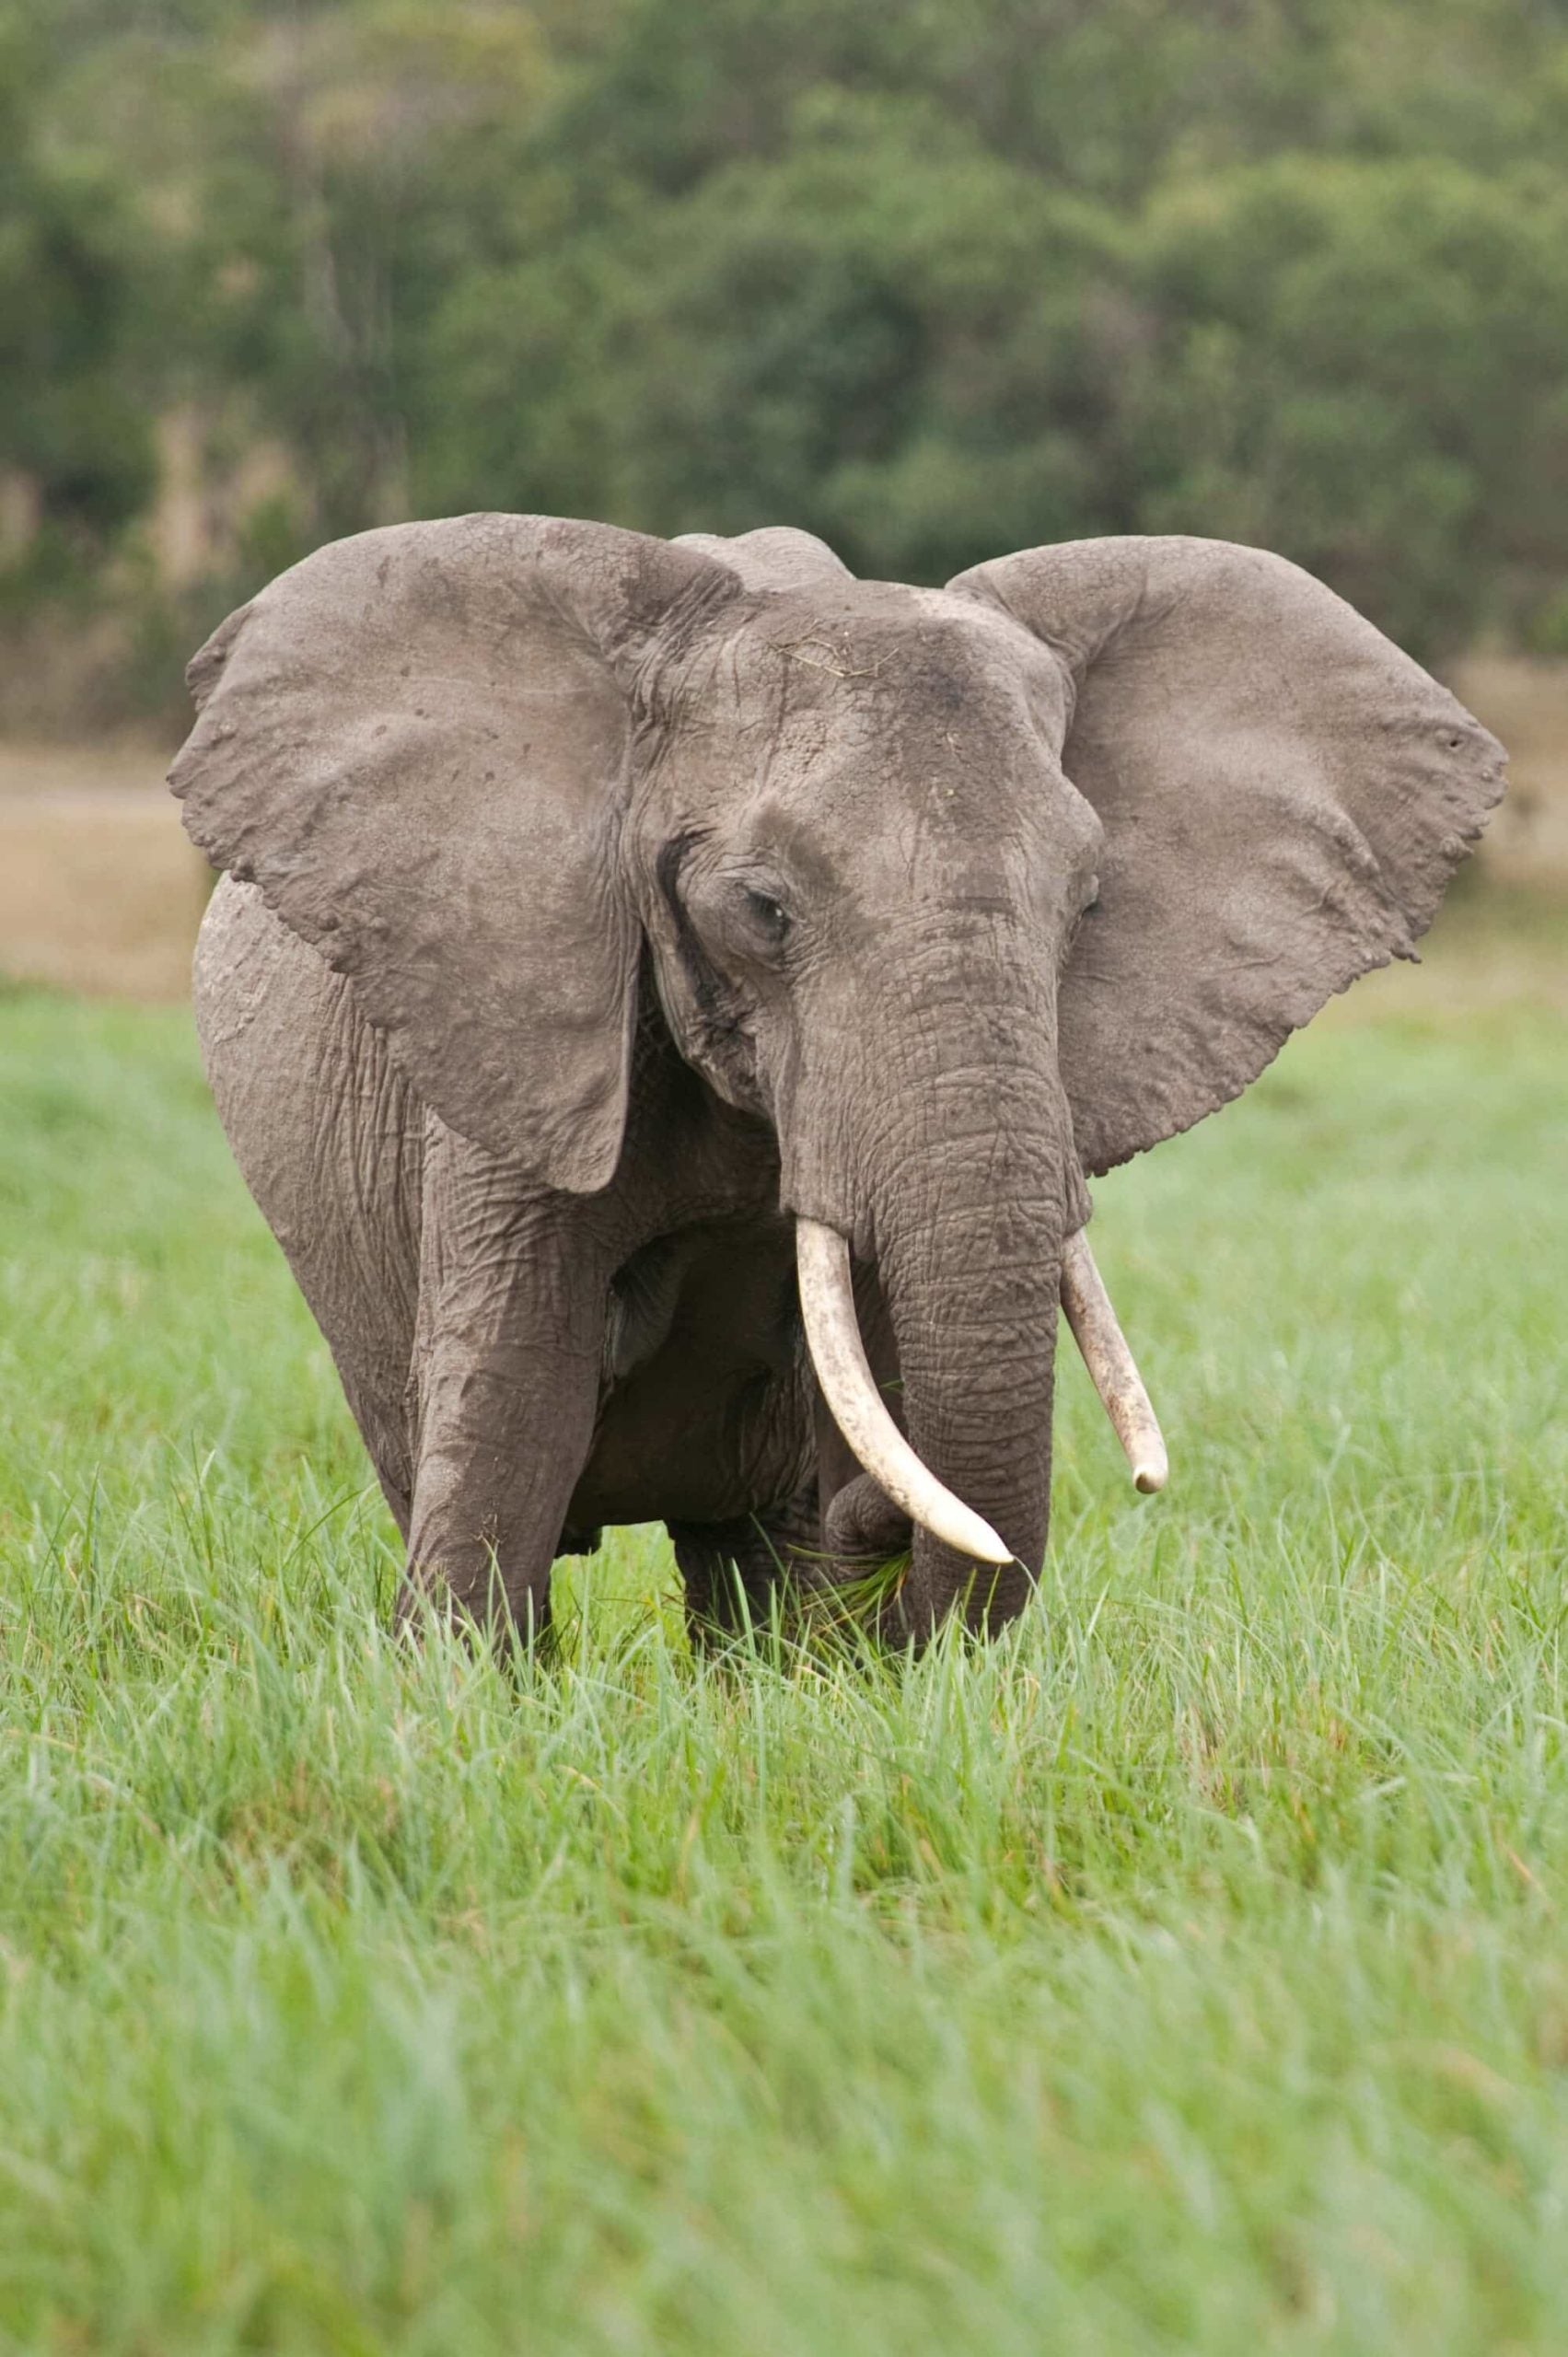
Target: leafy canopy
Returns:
[934, 279]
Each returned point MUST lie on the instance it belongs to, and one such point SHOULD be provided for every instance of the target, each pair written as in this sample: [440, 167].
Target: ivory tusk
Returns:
[1116, 1378]
[832, 1335]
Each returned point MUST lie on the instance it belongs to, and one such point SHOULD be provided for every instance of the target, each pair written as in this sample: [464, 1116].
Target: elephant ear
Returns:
[1284, 795]
[417, 744]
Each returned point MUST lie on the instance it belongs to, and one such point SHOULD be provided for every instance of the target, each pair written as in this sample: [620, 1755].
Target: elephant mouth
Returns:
[838, 1355]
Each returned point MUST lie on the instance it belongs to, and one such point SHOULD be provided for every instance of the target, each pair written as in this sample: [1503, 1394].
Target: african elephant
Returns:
[666, 991]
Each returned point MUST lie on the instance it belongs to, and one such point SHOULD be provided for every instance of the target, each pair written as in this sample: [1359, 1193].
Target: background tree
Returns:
[931, 280]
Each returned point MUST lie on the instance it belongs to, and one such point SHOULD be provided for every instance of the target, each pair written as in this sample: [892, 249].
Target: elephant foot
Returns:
[733, 1570]
[480, 1611]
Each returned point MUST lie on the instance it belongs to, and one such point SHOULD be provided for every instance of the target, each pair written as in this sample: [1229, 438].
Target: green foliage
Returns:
[935, 280]
[1354, 364]
[71, 420]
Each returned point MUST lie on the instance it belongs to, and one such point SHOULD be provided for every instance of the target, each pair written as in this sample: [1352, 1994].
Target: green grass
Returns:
[1188, 1970]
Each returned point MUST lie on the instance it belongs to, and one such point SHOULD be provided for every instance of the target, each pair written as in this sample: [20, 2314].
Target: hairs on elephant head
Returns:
[669, 996]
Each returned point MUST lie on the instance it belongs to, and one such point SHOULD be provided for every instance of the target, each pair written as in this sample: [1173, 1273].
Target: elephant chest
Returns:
[705, 1410]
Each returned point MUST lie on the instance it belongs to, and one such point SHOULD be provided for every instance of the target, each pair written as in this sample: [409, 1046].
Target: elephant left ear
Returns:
[418, 744]
[1284, 796]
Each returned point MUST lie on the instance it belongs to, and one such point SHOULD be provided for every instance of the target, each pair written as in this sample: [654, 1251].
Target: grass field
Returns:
[1187, 1971]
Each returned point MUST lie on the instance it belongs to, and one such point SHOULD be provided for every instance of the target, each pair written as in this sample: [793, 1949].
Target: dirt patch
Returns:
[131, 764]
[99, 890]
[1525, 704]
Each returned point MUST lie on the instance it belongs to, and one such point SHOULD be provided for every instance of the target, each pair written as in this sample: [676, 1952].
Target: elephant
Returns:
[668, 998]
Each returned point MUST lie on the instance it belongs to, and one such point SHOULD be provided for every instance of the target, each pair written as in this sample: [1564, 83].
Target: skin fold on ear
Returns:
[1284, 796]
[417, 743]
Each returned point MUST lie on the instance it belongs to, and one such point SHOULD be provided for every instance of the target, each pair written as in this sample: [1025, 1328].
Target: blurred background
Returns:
[933, 278]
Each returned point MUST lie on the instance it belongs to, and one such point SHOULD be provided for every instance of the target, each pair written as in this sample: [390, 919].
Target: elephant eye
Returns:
[767, 910]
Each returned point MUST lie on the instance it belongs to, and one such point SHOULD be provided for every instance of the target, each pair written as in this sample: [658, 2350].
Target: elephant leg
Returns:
[731, 1569]
[330, 1139]
[506, 1375]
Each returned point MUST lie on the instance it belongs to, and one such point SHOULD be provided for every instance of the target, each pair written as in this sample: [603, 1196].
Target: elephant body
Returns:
[603, 912]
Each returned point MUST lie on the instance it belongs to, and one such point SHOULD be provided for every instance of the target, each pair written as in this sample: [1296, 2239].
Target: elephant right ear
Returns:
[1284, 796]
[417, 744]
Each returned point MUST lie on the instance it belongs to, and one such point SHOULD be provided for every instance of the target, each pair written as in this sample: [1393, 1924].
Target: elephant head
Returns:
[967, 894]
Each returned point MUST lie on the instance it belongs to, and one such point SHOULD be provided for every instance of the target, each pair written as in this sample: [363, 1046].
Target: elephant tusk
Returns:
[832, 1335]
[1110, 1362]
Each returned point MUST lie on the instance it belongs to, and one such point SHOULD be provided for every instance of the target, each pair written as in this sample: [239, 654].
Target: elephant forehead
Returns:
[916, 650]
[897, 848]
[876, 672]
[898, 852]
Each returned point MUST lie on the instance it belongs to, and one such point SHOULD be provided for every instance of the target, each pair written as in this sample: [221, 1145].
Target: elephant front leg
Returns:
[504, 1384]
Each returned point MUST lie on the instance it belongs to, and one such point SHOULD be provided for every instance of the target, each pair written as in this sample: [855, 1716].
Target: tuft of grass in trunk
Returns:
[1187, 1969]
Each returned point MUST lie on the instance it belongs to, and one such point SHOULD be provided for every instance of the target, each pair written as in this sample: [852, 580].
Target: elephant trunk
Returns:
[969, 1224]
[962, 1189]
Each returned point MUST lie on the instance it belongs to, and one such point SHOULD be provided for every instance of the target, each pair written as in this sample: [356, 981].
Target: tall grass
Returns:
[1188, 1969]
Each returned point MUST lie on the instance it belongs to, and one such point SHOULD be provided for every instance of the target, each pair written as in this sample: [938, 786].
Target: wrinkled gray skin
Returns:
[596, 903]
